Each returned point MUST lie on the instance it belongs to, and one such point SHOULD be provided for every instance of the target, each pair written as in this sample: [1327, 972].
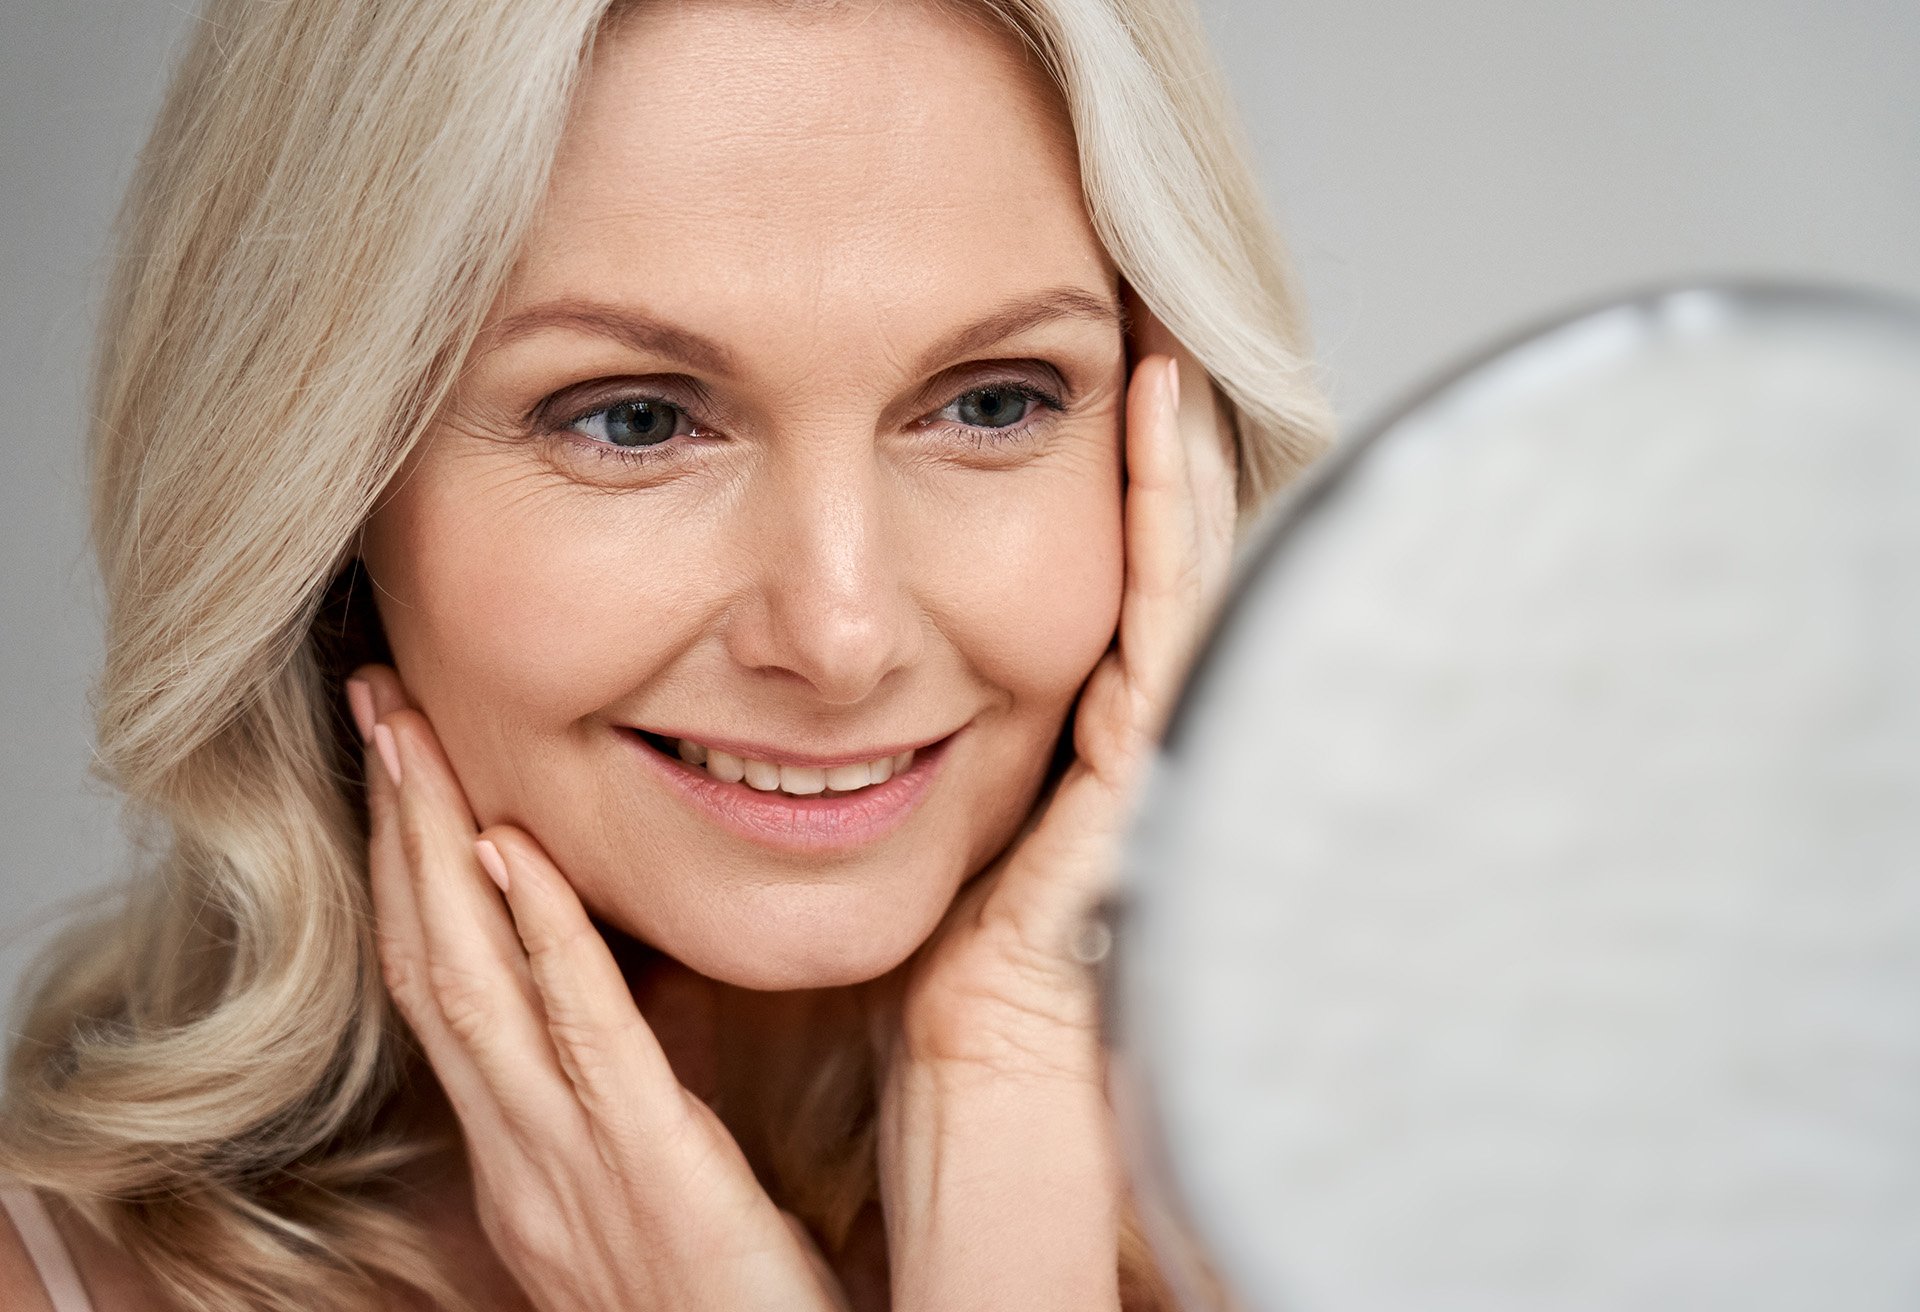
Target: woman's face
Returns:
[794, 437]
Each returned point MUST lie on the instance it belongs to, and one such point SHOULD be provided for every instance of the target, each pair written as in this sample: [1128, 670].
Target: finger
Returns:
[461, 911]
[448, 991]
[1204, 415]
[817, 1262]
[399, 926]
[1064, 868]
[478, 984]
[1207, 433]
[1160, 605]
[609, 1054]
[1207, 429]
[375, 691]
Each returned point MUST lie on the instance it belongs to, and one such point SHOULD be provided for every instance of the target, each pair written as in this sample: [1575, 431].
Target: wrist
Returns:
[1044, 1024]
[1002, 1190]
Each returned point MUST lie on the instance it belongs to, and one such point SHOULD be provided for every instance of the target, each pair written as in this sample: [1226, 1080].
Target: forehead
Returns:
[731, 157]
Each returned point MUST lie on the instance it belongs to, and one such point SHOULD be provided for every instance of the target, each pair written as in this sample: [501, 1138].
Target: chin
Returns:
[780, 966]
[803, 938]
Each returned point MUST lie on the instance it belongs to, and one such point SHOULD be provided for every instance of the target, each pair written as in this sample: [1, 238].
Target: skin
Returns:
[816, 268]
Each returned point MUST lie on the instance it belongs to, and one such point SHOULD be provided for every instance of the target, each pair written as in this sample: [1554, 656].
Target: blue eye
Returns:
[634, 423]
[990, 407]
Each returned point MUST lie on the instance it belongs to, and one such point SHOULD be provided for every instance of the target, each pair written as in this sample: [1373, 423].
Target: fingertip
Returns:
[520, 858]
[386, 694]
[547, 912]
[493, 863]
[388, 750]
[1170, 407]
[432, 792]
[360, 702]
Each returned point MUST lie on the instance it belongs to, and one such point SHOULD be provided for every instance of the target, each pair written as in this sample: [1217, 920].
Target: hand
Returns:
[1000, 1175]
[600, 1181]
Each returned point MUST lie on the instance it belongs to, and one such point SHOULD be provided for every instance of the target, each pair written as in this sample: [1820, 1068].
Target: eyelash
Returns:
[668, 448]
[639, 453]
[1019, 428]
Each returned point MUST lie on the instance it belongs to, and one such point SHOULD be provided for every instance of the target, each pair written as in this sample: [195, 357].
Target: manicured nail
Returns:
[360, 699]
[491, 862]
[1173, 382]
[389, 751]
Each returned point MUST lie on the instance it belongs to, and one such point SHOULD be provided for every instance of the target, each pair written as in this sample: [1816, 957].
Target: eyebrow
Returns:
[1022, 315]
[649, 336]
[637, 332]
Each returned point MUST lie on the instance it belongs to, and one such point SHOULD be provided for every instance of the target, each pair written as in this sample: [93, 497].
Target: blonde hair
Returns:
[331, 200]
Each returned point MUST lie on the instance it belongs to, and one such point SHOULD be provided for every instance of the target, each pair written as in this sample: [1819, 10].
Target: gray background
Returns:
[1445, 173]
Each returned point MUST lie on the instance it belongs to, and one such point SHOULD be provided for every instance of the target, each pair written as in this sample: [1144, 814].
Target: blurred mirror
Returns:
[1525, 915]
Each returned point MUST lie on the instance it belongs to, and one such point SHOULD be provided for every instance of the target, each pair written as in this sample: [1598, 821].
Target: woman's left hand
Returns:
[1002, 1182]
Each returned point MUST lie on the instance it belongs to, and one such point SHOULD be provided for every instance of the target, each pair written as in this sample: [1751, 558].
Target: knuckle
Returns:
[526, 1236]
[400, 972]
[413, 846]
[592, 1052]
[402, 980]
[545, 940]
[465, 1003]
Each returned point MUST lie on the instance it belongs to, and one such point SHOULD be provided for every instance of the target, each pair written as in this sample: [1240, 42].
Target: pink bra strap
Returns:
[47, 1249]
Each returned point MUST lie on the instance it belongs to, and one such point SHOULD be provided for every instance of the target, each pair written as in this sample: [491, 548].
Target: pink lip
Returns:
[801, 824]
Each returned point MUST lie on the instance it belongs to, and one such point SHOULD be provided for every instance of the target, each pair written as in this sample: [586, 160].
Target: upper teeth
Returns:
[800, 780]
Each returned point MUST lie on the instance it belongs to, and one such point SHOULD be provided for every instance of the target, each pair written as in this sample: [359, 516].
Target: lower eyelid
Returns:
[581, 453]
[1023, 430]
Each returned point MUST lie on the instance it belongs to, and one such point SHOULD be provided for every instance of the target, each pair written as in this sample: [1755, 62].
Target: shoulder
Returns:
[114, 1281]
[20, 1286]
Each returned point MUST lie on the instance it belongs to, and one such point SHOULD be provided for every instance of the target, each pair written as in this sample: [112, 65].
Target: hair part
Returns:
[329, 205]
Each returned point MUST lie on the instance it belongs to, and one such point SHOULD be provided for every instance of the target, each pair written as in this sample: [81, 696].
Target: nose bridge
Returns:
[834, 609]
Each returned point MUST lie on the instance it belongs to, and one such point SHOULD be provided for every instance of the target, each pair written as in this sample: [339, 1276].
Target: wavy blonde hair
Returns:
[333, 196]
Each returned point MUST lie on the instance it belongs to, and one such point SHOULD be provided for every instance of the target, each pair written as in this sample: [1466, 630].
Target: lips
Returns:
[798, 806]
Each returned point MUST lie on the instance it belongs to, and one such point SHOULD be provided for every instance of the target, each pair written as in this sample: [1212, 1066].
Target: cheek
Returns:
[512, 617]
[1029, 577]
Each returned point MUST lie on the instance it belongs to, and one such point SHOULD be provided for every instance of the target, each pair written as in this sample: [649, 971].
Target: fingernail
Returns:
[360, 699]
[491, 861]
[389, 751]
[1173, 382]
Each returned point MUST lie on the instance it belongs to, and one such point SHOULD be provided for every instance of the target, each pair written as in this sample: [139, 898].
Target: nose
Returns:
[830, 605]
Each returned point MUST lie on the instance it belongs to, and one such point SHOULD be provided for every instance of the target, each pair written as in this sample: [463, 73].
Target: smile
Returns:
[793, 780]
[807, 805]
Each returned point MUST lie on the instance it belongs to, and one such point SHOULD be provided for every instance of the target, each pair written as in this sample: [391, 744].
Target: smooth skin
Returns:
[815, 229]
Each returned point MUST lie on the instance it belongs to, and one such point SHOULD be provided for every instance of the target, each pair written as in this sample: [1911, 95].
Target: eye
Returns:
[644, 422]
[990, 407]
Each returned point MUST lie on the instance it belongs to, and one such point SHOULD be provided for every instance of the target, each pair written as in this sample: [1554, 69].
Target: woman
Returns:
[646, 548]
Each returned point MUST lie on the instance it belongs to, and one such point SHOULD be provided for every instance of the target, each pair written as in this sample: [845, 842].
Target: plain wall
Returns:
[78, 83]
[1444, 173]
[1449, 172]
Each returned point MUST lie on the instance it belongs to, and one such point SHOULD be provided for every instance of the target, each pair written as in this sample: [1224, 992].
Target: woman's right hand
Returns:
[601, 1182]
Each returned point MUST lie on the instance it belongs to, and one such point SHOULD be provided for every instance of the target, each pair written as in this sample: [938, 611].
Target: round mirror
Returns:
[1525, 916]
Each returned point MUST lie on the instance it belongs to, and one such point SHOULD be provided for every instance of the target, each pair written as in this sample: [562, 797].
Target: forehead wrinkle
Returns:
[630, 328]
